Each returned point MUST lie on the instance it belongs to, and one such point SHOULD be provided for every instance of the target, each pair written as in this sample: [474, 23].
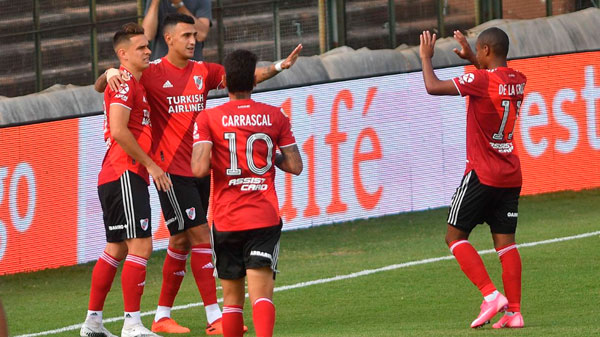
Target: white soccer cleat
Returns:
[137, 330]
[94, 329]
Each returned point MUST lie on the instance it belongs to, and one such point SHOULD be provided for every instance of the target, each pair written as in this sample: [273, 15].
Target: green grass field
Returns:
[561, 292]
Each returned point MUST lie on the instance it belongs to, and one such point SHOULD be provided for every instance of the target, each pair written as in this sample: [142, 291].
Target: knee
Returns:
[179, 242]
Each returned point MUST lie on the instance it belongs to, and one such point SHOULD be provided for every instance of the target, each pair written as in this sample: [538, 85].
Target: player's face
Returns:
[480, 54]
[138, 53]
[183, 39]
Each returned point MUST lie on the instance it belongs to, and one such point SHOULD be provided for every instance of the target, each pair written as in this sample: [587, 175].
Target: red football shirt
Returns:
[132, 96]
[495, 97]
[176, 96]
[244, 134]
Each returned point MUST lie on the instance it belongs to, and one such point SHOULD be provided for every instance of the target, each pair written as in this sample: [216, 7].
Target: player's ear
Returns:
[224, 81]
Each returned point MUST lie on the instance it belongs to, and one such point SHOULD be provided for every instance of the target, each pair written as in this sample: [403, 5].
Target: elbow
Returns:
[297, 169]
[98, 88]
[199, 170]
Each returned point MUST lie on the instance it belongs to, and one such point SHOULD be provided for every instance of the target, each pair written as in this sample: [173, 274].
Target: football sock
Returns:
[132, 318]
[95, 316]
[491, 296]
[233, 321]
[102, 278]
[511, 275]
[173, 272]
[263, 316]
[203, 270]
[133, 279]
[213, 313]
[471, 264]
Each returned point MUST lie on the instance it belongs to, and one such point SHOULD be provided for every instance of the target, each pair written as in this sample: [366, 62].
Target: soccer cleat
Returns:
[168, 325]
[216, 328]
[137, 330]
[489, 310]
[514, 321]
[94, 329]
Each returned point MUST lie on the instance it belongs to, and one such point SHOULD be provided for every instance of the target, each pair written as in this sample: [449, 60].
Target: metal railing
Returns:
[268, 27]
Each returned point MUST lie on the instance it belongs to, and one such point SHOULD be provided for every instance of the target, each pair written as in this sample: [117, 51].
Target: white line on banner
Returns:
[331, 279]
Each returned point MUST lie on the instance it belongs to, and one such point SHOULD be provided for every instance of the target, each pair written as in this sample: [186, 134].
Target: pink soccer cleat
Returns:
[489, 310]
[514, 321]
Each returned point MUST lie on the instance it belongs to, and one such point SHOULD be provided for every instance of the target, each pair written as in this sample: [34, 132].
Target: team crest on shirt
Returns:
[191, 213]
[199, 82]
[144, 223]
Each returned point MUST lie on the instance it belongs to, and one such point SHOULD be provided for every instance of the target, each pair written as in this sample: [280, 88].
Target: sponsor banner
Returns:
[370, 147]
[38, 196]
[558, 132]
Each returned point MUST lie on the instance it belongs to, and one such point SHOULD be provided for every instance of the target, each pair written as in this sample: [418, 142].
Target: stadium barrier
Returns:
[371, 147]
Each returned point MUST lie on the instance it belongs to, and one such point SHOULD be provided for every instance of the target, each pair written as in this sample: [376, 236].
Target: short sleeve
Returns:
[286, 135]
[473, 84]
[215, 76]
[203, 9]
[123, 97]
[202, 129]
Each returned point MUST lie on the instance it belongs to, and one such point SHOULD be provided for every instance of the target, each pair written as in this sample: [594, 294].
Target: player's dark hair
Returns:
[126, 32]
[497, 39]
[173, 19]
[239, 70]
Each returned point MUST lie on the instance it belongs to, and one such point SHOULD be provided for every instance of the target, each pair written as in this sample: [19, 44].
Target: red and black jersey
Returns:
[244, 135]
[177, 95]
[495, 97]
[132, 96]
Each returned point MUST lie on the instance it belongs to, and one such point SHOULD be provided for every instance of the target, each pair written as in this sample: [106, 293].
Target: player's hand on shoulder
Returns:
[115, 78]
[465, 51]
[161, 180]
[292, 58]
[426, 48]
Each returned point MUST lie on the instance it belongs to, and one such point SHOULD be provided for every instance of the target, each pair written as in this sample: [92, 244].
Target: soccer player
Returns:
[123, 189]
[177, 90]
[242, 136]
[490, 188]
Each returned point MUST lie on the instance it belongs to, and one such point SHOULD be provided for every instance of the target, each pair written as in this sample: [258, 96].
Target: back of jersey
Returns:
[495, 97]
[245, 135]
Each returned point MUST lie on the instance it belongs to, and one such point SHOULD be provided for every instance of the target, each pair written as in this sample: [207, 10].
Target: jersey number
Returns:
[233, 169]
[500, 134]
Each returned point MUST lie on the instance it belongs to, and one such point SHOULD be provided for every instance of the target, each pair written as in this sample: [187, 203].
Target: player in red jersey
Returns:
[490, 188]
[123, 189]
[243, 136]
[177, 91]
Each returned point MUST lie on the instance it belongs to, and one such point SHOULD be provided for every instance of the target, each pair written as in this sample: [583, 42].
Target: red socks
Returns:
[263, 316]
[203, 269]
[471, 264]
[173, 272]
[511, 275]
[233, 321]
[102, 279]
[133, 279]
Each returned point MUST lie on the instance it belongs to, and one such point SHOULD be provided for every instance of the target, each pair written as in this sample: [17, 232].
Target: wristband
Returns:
[278, 66]
[178, 5]
[111, 72]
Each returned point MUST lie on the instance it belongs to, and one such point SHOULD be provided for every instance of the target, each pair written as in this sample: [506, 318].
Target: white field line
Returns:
[327, 280]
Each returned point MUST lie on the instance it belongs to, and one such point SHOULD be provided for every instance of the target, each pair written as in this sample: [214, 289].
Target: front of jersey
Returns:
[244, 136]
[495, 97]
[132, 96]
[176, 96]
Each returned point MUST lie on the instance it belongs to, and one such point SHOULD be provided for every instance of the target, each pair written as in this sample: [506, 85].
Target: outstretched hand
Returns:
[291, 59]
[465, 52]
[427, 46]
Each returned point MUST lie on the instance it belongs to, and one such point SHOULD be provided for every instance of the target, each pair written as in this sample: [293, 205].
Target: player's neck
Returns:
[137, 73]
[236, 96]
[496, 63]
[177, 61]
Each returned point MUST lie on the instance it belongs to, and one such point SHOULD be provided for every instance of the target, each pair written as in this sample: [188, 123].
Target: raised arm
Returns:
[289, 160]
[264, 73]
[119, 118]
[465, 52]
[150, 22]
[433, 85]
